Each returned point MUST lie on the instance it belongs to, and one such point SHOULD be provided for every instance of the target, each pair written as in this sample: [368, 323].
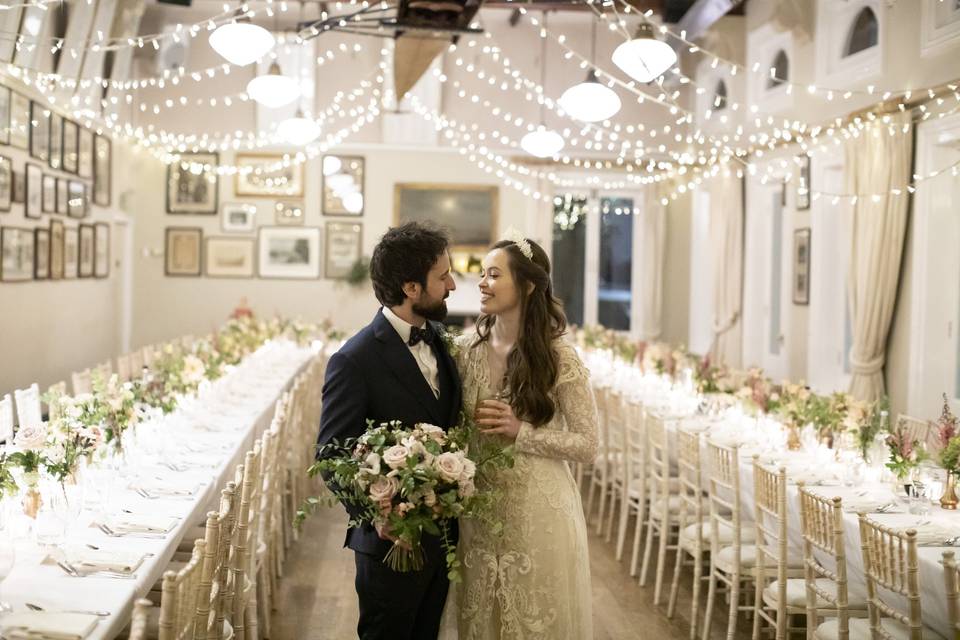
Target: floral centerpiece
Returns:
[905, 453]
[760, 392]
[948, 439]
[30, 455]
[411, 481]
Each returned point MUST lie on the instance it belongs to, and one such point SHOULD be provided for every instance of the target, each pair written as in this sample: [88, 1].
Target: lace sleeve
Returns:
[461, 351]
[575, 402]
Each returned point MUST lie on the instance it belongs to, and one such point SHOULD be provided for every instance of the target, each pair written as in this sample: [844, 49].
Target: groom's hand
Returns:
[383, 530]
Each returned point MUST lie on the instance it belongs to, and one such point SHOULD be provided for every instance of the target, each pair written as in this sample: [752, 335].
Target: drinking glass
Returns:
[7, 557]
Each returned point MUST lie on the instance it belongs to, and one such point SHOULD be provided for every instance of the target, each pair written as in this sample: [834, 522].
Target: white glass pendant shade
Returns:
[542, 142]
[273, 89]
[590, 101]
[299, 130]
[645, 58]
[241, 42]
[331, 165]
[353, 202]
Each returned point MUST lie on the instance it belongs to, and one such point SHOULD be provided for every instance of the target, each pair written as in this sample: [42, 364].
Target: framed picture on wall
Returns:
[87, 240]
[69, 153]
[49, 194]
[56, 141]
[190, 191]
[289, 252]
[34, 191]
[56, 249]
[801, 266]
[343, 246]
[101, 250]
[6, 183]
[342, 185]
[469, 211]
[41, 253]
[39, 131]
[183, 251]
[4, 115]
[803, 182]
[226, 257]
[63, 196]
[238, 216]
[102, 166]
[16, 254]
[71, 252]
[85, 153]
[289, 214]
[76, 199]
[19, 120]
[268, 175]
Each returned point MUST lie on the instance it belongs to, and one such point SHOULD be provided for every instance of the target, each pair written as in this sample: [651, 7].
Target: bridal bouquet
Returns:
[412, 480]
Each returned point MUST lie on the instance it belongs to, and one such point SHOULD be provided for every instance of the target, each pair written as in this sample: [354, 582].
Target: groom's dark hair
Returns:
[405, 254]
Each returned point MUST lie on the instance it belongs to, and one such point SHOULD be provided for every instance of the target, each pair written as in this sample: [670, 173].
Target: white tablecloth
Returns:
[223, 427]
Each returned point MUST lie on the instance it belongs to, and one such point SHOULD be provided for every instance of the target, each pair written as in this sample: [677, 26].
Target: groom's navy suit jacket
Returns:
[375, 376]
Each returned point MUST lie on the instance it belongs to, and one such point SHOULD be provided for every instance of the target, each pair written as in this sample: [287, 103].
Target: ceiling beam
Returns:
[568, 5]
[703, 14]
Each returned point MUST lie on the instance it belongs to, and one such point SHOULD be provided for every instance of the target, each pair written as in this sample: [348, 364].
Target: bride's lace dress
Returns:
[532, 581]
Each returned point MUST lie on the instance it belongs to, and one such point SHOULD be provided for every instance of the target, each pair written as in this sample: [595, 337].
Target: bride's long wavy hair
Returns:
[532, 364]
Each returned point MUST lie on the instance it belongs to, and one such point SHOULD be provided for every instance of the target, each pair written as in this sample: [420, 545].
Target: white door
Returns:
[935, 304]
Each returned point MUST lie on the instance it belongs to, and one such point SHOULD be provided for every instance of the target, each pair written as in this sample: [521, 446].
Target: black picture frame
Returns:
[5, 96]
[41, 253]
[85, 153]
[33, 191]
[49, 194]
[101, 240]
[19, 121]
[56, 141]
[6, 184]
[57, 248]
[88, 236]
[63, 196]
[176, 175]
[71, 141]
[803, 182]
[6, 234]
[76, 199]
[39, 132]
[801, 266]
[102, 170]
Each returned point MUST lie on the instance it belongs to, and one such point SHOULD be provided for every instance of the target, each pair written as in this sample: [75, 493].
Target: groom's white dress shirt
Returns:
[422, 353]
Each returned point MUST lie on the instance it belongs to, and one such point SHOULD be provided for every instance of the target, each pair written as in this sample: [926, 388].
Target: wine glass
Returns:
[7, 557]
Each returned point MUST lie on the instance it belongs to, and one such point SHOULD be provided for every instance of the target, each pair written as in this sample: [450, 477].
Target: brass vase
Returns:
[949, 498]
[31, 502]
[793, 438]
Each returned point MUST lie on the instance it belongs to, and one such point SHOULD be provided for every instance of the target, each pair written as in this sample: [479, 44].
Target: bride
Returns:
[526, 385]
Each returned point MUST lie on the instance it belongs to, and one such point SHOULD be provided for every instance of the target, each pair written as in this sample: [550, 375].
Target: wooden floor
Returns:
[317, 600]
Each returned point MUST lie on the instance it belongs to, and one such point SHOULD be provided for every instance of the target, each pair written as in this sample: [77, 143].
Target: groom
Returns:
[397, 368]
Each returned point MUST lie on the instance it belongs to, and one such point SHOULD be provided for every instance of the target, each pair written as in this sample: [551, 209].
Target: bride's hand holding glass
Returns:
[496, 417]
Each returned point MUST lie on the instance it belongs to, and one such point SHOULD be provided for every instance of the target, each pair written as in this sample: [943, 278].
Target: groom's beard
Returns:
[436, 311]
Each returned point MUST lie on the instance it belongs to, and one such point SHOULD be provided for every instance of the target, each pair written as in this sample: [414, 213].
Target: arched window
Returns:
[720, 96]
[781, 70]
[863, 34]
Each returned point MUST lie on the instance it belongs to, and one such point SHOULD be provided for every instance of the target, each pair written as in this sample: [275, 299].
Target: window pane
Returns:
[781, 70]
[616, 252]
[863, 34]
[569, 247]
[720, 97]
[776, 268]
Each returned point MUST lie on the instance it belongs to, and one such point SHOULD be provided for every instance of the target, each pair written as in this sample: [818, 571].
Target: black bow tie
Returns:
[417, 334]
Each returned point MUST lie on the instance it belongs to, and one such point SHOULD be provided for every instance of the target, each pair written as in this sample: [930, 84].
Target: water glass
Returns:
[918, 499]
[7, 558]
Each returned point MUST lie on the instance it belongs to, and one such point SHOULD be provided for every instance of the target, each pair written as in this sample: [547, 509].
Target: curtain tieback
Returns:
[726, 326]
[867, 367]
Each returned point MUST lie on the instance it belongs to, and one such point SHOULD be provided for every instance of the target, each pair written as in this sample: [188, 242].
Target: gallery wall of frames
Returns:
[53, 170]
[281, 247]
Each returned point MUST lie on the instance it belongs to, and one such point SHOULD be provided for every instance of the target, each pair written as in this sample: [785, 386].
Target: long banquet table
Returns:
[211, 436]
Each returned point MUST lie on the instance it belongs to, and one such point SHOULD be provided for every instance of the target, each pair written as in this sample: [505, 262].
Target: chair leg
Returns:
[734, 606]
[624, 522]
[695, 603]
[635, 555]
[675, 583]
[652, 529]
[615, 497]
[708, 612]
[662, 557]
[590, 494]
[604, 488]
[757, 604]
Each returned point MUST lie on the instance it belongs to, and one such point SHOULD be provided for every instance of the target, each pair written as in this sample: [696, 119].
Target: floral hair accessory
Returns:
[517, 238]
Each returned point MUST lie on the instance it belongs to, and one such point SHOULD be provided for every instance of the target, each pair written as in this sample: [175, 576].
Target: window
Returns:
[720, 96]
[570, 241]
[616, 253]
[864, 33]
[780, 70]
[776, 269]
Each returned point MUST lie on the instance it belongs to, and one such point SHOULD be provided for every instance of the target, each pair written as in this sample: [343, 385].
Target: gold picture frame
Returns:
[248, 184]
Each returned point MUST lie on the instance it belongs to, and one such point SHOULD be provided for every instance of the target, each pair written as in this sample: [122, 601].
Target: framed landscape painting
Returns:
[228, 257]
[468, 211]
[190, 191]
[238, 216]
[289, 252]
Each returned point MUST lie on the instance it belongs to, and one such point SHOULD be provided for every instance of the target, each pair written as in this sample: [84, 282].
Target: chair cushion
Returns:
[689, 533]
[673, 504]
[860, 630]
[797, 593]
[748, 559]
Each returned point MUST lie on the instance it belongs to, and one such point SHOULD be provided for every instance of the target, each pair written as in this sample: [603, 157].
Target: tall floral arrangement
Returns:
[905, 452]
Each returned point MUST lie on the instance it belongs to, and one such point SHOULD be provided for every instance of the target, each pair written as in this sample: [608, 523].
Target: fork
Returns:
[73, 572]
[99, 614]
[133, 534]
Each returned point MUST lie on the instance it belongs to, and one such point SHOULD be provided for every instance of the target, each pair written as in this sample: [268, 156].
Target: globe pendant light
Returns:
[241, 42]
[542, 142]
[590, 101]
[299, 130]
[273, 89]
[644, 58]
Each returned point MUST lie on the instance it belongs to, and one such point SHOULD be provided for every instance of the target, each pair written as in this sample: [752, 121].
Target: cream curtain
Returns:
[650, 254]
[876, 162]
[726, 242]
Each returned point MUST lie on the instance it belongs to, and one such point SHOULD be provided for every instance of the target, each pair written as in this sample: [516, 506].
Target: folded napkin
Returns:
[47, 625]
[165, 488]
[90, 560]
[141, 523]
[934, 534]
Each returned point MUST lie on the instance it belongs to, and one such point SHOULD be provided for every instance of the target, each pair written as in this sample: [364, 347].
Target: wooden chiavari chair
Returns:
[662, 517]
[214, 573]
[600, 471]
[123, 367]
[826, 591]
[29, 410]
[265, 555]
[55, 390]
[180, 597]
[243, 556]
[923, 431]
[691, 521]
[730, 564]
[616, 428]
[139, 622]
[891, 565]
[951, 582]
[634, 495]
[82, 381]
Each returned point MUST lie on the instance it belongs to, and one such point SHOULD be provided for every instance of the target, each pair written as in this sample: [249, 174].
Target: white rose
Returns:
[31, 436]
[469, 470]
[383, 488]
[433, 431]
[371, 465]
[193, 369]
[450, 466]
[396, 456]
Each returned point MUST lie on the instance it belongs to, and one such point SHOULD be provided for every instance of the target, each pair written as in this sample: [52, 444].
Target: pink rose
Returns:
[450, 465]
[396, 456]
[31, 436]
[383, 488]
